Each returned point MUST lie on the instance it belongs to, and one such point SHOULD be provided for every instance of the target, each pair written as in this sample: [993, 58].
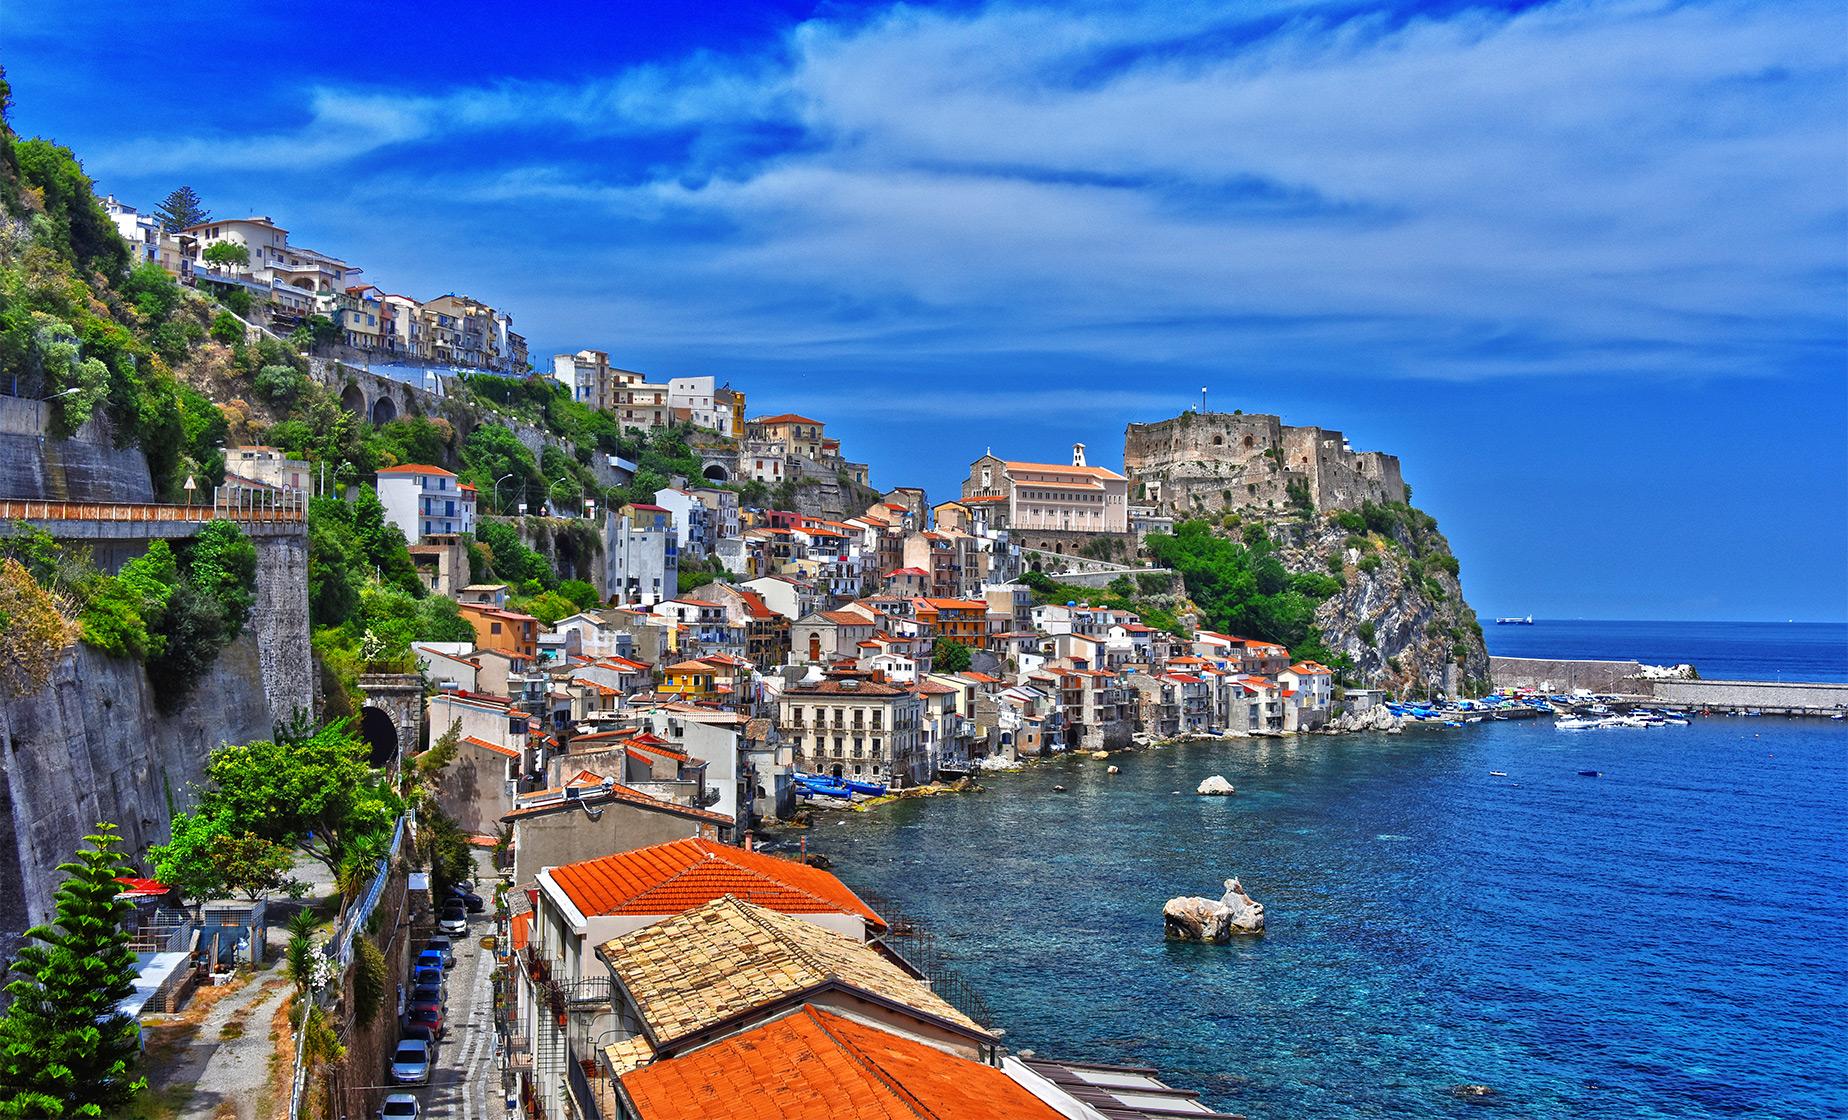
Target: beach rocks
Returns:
[1471, 1092]
[1213, 922]
[1216, 786]
[1100, 754]
[1377, 718]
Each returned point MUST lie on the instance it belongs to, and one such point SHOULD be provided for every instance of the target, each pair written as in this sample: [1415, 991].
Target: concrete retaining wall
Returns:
[1563, 676]
[89, 466]
[1752, 694]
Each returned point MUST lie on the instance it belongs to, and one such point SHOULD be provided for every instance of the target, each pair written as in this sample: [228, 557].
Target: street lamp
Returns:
[497, 482]
[62, 393]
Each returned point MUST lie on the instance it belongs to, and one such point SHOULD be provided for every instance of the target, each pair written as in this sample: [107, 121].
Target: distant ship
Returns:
[1528, 621]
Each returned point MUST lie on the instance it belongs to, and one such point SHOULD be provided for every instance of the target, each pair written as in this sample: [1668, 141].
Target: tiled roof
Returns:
[675, 877]
[537, 803]
[509, 752]
[835, 687]
[728, 958]
[785, 418]
[416, 468]
[1060, 468]
[819, 1065]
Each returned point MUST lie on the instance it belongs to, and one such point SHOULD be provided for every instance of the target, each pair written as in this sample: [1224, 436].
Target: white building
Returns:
[695, 395]
[692, 521]
[641, 555]
[587, 375]
[422, 500]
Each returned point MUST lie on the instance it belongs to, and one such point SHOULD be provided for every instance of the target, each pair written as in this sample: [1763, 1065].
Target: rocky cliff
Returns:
[1399, 615]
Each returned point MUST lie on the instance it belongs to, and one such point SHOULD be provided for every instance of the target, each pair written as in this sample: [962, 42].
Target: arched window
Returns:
[1249, 442]
[1218, 441]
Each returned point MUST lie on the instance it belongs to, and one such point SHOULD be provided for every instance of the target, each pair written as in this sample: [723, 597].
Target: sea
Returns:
[1448, 907]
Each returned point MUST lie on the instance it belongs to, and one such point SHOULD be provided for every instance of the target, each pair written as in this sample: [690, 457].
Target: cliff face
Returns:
[1401, 617]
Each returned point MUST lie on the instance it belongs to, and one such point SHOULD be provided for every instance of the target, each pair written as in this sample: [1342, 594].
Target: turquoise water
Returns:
[1665, 941]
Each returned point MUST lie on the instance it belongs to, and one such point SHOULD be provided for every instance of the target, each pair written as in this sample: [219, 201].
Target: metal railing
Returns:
[35, 509]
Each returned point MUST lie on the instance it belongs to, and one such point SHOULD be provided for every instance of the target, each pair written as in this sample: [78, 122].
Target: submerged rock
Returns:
[1471, 1092]
[1216, 786]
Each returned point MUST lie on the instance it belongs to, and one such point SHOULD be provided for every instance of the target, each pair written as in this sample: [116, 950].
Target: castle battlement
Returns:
[1209, 462]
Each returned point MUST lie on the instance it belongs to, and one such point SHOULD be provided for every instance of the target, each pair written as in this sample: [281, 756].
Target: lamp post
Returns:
[497, 485]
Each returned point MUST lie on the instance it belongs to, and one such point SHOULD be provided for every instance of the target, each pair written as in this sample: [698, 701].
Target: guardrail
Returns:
[33, 509]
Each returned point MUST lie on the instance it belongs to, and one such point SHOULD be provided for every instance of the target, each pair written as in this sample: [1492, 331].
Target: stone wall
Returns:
[88, 467]
[1779, 695]
[1200, 463]
[93, 746]
[1563, 675]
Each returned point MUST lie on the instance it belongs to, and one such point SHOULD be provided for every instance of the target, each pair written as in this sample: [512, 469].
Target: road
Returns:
[466, 1082]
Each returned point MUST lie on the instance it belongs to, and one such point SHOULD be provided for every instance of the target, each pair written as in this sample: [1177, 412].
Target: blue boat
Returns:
[871, 789]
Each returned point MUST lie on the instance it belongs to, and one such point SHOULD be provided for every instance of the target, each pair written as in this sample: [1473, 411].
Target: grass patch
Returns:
[165, 1103]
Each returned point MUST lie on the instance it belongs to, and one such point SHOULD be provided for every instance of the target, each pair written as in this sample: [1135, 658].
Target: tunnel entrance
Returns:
[380, 733]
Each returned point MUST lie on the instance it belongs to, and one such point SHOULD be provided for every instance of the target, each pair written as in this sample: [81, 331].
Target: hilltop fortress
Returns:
[1209, 462]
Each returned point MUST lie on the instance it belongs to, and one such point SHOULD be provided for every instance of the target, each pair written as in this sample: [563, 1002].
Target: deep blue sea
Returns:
[1669, 940]
[1755, 651]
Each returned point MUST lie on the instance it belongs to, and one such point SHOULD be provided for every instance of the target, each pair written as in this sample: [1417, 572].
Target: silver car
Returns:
[400, 1106]
[410, 1062]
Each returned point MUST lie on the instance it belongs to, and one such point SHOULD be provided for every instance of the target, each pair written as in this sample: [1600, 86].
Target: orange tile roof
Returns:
[817, 1065]
[416, 468]
[786, 418]
[1061, 468]
[520, 930]
[495, 747]
[677, 876]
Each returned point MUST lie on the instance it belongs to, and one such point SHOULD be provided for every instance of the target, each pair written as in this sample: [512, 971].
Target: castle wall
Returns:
[1202, 463]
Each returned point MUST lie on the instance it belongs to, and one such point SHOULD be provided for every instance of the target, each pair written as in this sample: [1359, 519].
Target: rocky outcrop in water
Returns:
[1213, 922]
[1373, 719]
[1216, 786]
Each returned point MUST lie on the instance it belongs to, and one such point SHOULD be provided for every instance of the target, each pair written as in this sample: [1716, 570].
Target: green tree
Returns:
[222, 565]
[950, 656]
[580, 593]
[227, 329]
[65, 1051]
[206, 859]
[319, 794]
[227, 252]
[181, 209]
[80, 228]
[317, 333]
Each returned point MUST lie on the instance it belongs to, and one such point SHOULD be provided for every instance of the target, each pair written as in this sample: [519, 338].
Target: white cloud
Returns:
[1631, 187]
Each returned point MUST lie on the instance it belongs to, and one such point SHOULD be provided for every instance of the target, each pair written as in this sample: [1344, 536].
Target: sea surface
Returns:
[1753, 651]
[1667, 940]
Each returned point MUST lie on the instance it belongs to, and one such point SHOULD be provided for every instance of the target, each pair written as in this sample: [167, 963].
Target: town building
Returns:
[847, 726]
[1052, 507]
[421, 499]
[641, 554]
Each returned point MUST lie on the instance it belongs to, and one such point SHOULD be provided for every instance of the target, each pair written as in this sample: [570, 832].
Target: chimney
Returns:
[1077, 454]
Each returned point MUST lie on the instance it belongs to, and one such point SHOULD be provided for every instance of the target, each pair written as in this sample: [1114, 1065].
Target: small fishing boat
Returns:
[1576, 723]
[871, 789]
[1591, 773]
[1498, 773]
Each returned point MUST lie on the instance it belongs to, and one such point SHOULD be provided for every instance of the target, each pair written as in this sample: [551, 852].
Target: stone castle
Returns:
[1207, 462]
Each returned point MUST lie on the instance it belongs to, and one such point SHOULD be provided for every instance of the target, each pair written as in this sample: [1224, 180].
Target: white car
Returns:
[400, 1106]
[453, 920]
[410, 1062]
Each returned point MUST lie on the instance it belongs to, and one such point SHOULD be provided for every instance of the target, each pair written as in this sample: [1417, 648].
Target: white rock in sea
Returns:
[1196, 919]
[1113, 770]
[1216, 786]
[1244, 914]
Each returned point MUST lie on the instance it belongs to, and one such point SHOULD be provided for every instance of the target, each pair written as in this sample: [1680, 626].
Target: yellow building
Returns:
[689, 680]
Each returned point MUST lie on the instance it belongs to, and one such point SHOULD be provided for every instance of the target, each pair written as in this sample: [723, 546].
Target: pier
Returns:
[1624, 679]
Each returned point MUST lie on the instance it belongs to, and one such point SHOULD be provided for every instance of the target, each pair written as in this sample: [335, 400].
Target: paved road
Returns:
[466, 1082]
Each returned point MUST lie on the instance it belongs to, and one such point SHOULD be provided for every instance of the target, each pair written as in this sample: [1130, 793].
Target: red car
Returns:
[426, 1013]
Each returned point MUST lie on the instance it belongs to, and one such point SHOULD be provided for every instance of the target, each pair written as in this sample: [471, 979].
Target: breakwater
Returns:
[1624, 678]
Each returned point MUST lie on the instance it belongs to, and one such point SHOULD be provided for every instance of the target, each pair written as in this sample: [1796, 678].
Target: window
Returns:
[494, 628]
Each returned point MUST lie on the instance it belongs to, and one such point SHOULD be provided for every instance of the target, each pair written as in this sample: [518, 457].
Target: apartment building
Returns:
[587, 375]
[422, 500]
[641, 554]
[849, 726]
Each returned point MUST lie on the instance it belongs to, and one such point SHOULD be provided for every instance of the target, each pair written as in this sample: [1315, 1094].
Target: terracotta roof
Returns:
[531, 804]
[678, 876]
[833, 687]
[818, 1065]
[785, 418]
[1061, 468]
[716, 962]
[520, 930]
[416, 468]
[690, 667]
[846, 618]
[509, 752]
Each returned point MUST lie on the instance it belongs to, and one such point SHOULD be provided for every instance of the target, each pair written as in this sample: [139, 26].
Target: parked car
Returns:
[453, 919]
[410, 1062]
[468, 898]
[424, 1035]
[445, 951]
[400, 1106]
[429, 974]
[426, 1013]
[427, 991]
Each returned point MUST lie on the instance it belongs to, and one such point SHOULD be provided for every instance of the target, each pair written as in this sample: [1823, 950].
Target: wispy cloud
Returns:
[1571, 188]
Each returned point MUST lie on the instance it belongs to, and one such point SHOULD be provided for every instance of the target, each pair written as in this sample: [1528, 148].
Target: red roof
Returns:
[786, 418]
[495, 747]
[677, 876]
[416, 468]
[817, 1065]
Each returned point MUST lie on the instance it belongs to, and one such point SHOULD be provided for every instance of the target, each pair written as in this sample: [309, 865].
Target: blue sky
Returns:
[1584, 266]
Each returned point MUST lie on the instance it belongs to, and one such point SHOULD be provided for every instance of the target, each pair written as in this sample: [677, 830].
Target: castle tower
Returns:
[1077, 454]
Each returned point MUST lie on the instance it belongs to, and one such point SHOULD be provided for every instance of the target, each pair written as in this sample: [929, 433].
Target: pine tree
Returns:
[65, 1051]
[182, 209]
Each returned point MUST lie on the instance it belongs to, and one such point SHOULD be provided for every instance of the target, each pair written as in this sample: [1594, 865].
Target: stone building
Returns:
[1053, 507]
[1200, 463]
[855, 728]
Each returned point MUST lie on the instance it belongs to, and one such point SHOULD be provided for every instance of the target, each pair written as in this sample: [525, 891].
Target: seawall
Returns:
[1560, 675]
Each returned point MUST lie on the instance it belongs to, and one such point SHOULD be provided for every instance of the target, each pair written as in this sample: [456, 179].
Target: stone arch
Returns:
[715, 472]
[380, 733]
[391, 719]
[353, 399]
[1250, 442]
[384, 410]
[1219, 440]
